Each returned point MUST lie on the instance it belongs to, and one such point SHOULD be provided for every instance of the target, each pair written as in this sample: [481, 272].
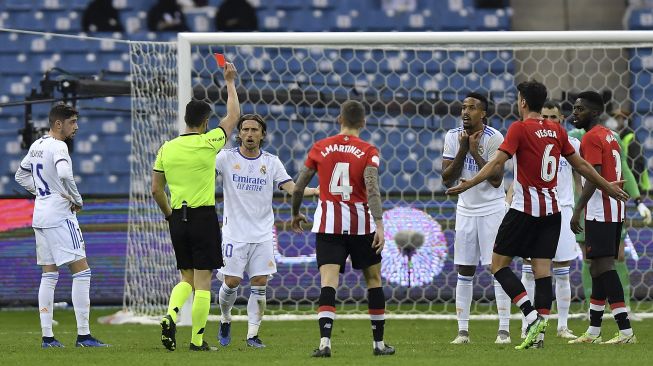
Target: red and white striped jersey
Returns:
[536, 146]
[340, 161]
[600, 147]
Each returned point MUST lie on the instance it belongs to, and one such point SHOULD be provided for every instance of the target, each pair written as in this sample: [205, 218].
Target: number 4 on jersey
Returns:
[339, 183]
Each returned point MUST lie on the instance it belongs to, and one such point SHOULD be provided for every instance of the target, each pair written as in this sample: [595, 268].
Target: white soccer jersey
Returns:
[50, 206]
[482, 199]
[566, 177]
[248, 185]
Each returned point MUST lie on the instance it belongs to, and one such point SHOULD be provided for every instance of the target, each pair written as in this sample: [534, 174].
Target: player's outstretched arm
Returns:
[491, 169]
[371, 175]
[228, 123]
[612, 189]
[289, 187]
[159, 193]
[305, 176]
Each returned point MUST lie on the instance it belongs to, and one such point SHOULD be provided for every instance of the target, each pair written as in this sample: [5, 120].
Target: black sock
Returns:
[326, 311]
[376, 308]
[543, 295]
[615, 295]
[48, 339]
[597, 301]
[515, 289]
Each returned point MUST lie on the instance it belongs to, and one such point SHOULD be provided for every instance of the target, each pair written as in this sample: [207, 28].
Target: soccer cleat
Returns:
[204, 347]
[523, 334]
[224, 334]
[622, 339]
[503, 337]
[532, 332]
[255, 342]
[566, 333]
[89, 341]
[386, 351]
[324, 352]
[51, 342]
[461, 338]
[586, 338]
[168, 330]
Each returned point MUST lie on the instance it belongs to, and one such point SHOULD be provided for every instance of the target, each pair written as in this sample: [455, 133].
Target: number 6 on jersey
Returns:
[339, 183]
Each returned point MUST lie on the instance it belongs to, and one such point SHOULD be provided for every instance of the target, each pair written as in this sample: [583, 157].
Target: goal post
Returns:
[412, 85]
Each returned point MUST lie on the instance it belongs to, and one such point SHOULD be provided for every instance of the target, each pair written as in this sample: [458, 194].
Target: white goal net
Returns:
[412, 85]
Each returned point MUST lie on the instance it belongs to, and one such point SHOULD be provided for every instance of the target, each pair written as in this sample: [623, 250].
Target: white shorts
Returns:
[59, 245]
[256, 259]
[475, 237]
[567, 243]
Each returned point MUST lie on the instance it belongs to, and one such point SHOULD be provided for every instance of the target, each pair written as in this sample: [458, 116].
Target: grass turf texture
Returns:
[418, 342]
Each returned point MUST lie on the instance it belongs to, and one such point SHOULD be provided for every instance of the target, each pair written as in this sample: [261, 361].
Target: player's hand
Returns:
[460, 188]
[617, 192]
[230, 72]
[644, 212]
[475, 141]
[463, 140]
[379, 239]
[575, 223]
[296, 223]
[75, 208]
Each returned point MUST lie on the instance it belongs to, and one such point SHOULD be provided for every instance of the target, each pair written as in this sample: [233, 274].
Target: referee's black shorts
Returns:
[197, 241]
[526, 236]
[335, 248]
[602, 239]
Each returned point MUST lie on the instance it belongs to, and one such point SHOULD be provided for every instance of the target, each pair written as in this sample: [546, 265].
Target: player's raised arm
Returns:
[452, 168]
[228, 123]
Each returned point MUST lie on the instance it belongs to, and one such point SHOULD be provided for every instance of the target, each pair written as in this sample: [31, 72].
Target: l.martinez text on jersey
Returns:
[342, 148]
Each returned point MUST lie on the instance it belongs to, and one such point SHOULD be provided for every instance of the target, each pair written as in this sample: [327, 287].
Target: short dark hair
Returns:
[197, 111]
[534, 93]
[61, 112]
[594, 100]
[251, 117]
[552, 104]
[480, 97]
[352, 113]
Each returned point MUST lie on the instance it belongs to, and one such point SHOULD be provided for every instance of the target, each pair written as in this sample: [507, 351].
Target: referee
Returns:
[187, 165]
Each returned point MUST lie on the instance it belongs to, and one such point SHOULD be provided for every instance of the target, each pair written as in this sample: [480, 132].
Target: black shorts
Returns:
[602, 238]
[334, 249]
[526, 236]
[197, 241]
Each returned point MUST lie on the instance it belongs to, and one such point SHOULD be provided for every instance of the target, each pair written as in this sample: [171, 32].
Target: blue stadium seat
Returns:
[115, 164]
[288, 4]
[640, 19]
[490, 20]
[199, 22]
[25, 5]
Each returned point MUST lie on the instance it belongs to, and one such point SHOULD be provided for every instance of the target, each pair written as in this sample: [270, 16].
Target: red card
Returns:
[219, 58]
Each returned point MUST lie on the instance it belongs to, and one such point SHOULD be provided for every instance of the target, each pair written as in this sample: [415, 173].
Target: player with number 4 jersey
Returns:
[348, 220]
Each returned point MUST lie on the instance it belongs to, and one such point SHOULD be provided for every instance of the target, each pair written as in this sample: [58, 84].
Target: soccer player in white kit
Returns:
[46, 172]
[479, 210]
[249, 177]
[566, 250]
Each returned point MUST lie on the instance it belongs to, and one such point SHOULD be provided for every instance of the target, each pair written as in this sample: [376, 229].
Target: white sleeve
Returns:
[65, 173]
[280, 174]
[24, 176]
[493, 145]
[449, 151]
[220, 160]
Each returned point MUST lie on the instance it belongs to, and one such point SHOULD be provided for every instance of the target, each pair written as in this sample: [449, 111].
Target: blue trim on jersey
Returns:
[73, 234]
[454, 130]
[284, 182]
[260, 153]
[45, 137]
[25, 169]
[62, 159]
[447, 158]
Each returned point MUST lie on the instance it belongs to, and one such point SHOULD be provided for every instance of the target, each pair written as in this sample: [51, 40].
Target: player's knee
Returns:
[233, 282]
[601, 265]
[257, 281]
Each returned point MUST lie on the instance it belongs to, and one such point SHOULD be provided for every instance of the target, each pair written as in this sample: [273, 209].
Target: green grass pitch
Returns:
[418, 342]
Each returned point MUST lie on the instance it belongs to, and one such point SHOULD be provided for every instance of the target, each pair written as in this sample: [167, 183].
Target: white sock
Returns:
[563, 295]
[255, 309]
[325, 342]
[379, 345]
[464, 292]
[46, 301]
[503, 306]
[81, 300]
[227, 298]
[528, 280]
